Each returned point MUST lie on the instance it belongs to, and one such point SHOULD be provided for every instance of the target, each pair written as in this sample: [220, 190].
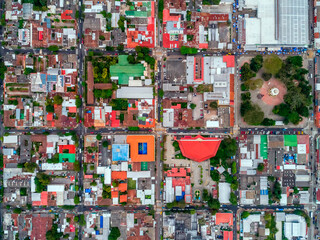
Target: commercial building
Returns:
[279, 23]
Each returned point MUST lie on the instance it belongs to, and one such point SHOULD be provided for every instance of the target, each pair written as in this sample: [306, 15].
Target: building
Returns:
[199, 148]
[279, 23]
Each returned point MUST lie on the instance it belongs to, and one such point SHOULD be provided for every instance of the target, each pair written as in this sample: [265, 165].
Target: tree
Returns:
[53, 48]
[57, 99]
[121, 23]
[97, 93]
[254, 116]
[215, 175]
[214, 105]
[245, 214]
[120, 47]
[246, 96]
[105, 144]
[282, 110]
[187, 50]
[256, 63]
[131, 59]
[214, 203]
[23, 191]
[82, 221]
[30, 166]
[102, 38]
[268, 122]
[205, 195]
[50, 108]
[193, 106]
[260, 167]
[77, 14]
[277, 191]
[76, 166]
[17, 210]
[114, 233]
[78, 102]
[27, 71]
[272, 64]
[234, 167]
[41, 181]
[303, 111]
[271, 178]
[296, 61]
[294, 118]
[119, 104]
[266, 76]
[104, 74]
[76, 199]
[233, 199]
[161, 93]
[234, 185]
[246, 72]
[106, 93]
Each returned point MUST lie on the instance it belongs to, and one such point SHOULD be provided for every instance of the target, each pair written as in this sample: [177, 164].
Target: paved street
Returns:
[309, 129]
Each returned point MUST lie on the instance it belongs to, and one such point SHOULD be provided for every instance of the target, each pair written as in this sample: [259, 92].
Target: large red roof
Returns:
[199, 148]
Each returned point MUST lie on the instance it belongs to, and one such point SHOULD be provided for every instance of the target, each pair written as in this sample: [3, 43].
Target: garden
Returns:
[274, 89]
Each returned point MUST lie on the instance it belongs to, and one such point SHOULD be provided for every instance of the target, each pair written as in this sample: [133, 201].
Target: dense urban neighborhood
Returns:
[167, 119]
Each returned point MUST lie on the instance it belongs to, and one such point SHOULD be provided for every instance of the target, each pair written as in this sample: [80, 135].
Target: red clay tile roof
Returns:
[199, 148]
[123, 198]
[114, 194]
[119, 175]
[123, 187]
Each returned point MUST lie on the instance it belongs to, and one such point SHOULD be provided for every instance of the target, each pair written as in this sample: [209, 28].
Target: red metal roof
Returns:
[167, 17]
[66, 15]
[72, 109]
[199, 148]
[229, 59]
[40, 35]
[49, 116]
[224, 218]
[71, 148]
[227, 235]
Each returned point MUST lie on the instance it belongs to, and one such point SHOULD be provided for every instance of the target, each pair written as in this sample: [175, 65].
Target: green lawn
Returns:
[131, 184]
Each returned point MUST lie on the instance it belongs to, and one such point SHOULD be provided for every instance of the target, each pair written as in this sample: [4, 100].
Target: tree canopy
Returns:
[114, 233]
[188, 50]
[256, 63]
[272, 64]
[246, 72]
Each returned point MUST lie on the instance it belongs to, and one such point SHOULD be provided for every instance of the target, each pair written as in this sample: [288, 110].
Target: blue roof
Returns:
[48, 21]
[52, 78]
[101, 221]
[120, 152]
[43, 77]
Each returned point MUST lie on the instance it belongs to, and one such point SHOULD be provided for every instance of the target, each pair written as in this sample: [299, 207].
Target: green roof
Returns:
[290, 140]
[264, 146]
[70, 157]
[123, 70]
[138, 13]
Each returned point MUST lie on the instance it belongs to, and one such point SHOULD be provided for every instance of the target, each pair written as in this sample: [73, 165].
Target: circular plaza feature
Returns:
[273, 92]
